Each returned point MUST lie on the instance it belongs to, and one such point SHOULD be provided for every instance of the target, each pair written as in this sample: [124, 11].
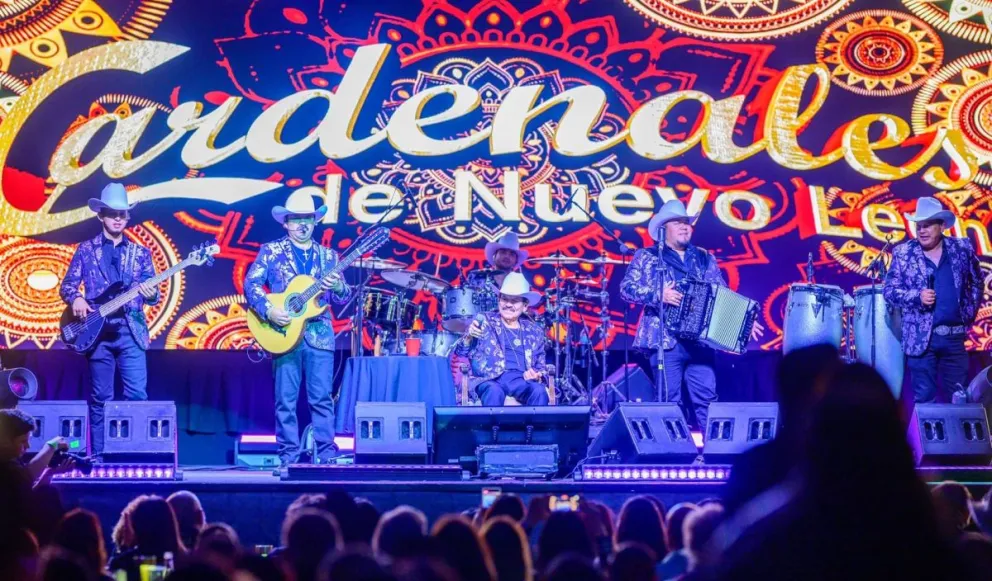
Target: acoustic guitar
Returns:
[299, 300]
[79, 334]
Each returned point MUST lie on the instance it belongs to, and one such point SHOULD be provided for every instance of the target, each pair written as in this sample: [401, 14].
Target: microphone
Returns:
[480, 318]
[930, 281]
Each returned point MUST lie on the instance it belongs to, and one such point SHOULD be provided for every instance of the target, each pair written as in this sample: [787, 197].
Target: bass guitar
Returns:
[79, 333]
[299, 300]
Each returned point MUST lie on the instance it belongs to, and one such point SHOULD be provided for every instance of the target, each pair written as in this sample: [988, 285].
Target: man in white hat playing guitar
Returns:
[937, 282]
[275, 266]
[683, 360]
[109, 259]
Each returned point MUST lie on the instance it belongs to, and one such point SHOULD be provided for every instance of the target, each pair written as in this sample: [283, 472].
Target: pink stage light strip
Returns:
[647, 473]
[344, 443]
[125, 472]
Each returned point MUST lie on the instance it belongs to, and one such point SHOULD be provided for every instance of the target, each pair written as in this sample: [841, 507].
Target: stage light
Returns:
[653, 473]
[17, 384]
[125, 472]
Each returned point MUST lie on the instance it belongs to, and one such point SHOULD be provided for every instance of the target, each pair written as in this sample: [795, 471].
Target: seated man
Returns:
[507, 352]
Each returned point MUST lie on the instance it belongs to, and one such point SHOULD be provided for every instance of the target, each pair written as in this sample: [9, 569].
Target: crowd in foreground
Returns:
[835, 496]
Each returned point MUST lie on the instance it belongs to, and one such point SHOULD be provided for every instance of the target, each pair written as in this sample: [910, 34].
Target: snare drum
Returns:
[813, 316]
[889, 358]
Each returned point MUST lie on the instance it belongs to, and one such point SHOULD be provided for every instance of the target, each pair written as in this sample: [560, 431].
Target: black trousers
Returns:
[946, 359]
[694, 364]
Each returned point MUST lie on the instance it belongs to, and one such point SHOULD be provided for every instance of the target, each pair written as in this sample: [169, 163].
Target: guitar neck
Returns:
[122, 299]
[314, 289]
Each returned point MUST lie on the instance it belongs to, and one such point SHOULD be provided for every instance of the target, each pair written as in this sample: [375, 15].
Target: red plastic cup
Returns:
[413, 347]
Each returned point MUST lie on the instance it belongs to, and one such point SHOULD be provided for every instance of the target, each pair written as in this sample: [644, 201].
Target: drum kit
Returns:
[822, 313]
[390, 314]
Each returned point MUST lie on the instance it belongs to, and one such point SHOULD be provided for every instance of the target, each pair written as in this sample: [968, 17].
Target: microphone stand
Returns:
[876, 269]
[625, 252]
[661, 380]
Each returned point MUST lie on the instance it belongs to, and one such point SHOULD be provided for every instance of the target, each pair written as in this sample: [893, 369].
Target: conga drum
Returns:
[889, 358]
[813, 315]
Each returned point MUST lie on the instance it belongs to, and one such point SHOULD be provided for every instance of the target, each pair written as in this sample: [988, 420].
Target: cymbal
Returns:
[413, 280]
[601, 260]
[559, 258]
[583, 280]
[485, 272]
[374, 263]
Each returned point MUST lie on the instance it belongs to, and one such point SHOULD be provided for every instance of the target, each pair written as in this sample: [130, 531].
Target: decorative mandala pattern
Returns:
[968, 19]
[30, 274]
[216, 324]
[959, 96]
[434, 188]
[740, 20]
[34, 29]
[879, 53]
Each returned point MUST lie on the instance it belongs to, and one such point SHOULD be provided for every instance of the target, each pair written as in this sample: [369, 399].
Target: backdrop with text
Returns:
[790, 127]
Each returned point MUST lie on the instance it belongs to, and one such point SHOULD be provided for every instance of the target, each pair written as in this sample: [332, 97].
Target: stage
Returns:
[254, 501]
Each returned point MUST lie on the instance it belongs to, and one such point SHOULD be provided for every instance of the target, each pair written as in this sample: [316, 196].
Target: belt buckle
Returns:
[942, 330]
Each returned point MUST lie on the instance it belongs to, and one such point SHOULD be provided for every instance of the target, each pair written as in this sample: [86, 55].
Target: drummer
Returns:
[937, 282]
[687, 361]
[504, 256]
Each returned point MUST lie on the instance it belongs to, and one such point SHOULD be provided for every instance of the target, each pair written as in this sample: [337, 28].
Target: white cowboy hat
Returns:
[113, 197]
[300, 203]
[928, 208]
[515, 285]
[508, 241]
[672, 210]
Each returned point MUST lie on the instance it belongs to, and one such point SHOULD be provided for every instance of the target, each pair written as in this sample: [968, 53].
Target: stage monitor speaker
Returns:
[459, 432]
[733, 428]
[52, 419]
[390, 433]
[633, 386]
[950, 434]
[139, 431]
[649, 433]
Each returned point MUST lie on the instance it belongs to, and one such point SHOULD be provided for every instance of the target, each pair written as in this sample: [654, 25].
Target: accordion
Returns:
[713, 315]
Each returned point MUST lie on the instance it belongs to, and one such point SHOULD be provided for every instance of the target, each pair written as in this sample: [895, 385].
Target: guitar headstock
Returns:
[372, 240]
[203, 254]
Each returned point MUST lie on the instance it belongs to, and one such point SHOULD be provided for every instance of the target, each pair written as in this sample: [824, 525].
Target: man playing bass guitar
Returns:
[275, 266]
[106, 260]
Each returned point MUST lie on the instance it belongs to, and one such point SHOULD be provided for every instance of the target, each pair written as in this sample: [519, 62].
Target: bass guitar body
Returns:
[79, 334]
[276, 339]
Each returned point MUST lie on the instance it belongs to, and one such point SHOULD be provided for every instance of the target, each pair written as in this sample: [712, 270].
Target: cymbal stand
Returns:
[604, 317]
[570, 392]
[555, 321]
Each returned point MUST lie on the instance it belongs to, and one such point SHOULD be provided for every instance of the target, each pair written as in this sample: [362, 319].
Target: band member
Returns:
[683, 360]
[507, 352]
[937, 282]
[108, 259]
[505, 256]
[275, 266]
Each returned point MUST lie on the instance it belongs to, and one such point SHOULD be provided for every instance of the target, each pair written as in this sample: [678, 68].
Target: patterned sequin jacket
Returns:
[275, 267]
[87, 269]
[488, 361]
[907, 276]
[640, 286]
